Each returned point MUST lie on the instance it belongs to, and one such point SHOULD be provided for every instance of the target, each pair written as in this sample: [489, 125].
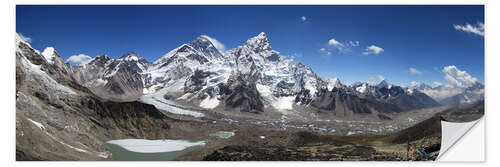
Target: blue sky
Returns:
[368, 41]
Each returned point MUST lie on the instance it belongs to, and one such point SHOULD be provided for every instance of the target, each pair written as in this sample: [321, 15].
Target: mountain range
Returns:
[453, 96]
[250, 78]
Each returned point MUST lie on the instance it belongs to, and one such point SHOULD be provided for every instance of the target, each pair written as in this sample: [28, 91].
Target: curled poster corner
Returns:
[452, 132]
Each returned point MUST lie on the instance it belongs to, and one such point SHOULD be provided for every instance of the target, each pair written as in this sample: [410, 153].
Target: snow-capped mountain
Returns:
[134, 61]
[454, 96]
[251, 78]
[402, 98]
[279, 81]
[53, 58]
[117, 79]
[333, 83]
[179, 64]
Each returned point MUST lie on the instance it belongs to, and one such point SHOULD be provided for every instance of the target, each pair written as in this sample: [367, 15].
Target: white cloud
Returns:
[304, 19]
[335, 43]
[353, 43]
[24, 38]
[373, 50]
[79, 59]
[322, 49]
[414, 71]
[218, 45]
[477, 29]
[457, 78]
[295, 55]
[457, 81]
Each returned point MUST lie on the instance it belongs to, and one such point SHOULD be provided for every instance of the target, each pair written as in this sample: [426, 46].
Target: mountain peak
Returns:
[131, 56]
[259, 43]
[262, 35]
[383, 84]
[203, 38]
[49, 53]
[102, 59]
[204, 42]
[103, 56]
[333, 83]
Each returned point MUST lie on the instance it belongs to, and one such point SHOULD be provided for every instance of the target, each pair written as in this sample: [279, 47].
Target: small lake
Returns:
[150, 150]
[223, 134]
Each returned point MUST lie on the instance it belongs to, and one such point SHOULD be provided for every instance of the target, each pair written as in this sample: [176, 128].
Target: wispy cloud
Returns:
[372, 49]
[24, 38]
[218, 45]
[477, 29]
[304, 19]
[295, 55]
[325, 52]
[335, 46]
[414, 71]
[353, 43]
[79, 59]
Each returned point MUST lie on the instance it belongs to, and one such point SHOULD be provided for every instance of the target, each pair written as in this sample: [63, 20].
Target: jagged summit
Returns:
[383, 84]
[333, 83]
[131, 56]
[259, 43]
[207, 46]
[100, 60]
[49, 54]
[202, 49]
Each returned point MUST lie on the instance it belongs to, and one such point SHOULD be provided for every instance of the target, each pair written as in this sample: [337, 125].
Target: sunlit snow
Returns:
[209, 103]
[49, 54]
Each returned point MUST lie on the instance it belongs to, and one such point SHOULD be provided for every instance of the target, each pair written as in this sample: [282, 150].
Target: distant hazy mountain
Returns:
[453, 96]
